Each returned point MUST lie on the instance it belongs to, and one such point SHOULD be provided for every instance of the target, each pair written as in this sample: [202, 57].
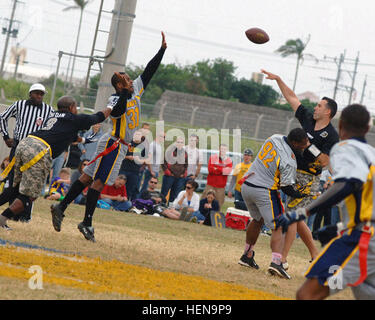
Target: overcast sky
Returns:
[208, 29]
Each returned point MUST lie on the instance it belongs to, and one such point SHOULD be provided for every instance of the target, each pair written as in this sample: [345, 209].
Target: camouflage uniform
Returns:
[33, 179]
[306, 183]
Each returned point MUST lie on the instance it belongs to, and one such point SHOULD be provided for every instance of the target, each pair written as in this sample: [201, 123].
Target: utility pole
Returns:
[353, 78]
[8, 32]
[339, 64]
[342, 58]
[363, 90]
[117, 43]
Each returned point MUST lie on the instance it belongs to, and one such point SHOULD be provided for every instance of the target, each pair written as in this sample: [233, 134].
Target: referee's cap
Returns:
[37, 87]
[248, 152]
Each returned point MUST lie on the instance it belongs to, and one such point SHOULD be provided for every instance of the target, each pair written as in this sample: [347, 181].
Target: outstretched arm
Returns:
[288, 94]
[154, 63]
[336, 193]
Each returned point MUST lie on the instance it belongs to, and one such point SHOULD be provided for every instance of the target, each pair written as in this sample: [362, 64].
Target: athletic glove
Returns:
[285, 220]
[327, 233]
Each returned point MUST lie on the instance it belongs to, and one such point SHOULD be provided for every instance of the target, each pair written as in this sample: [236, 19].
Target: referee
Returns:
[322, 136]
[30, 115]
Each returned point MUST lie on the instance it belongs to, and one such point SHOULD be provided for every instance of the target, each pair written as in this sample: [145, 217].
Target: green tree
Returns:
[295, 47]
[249, 91]
[217, 75]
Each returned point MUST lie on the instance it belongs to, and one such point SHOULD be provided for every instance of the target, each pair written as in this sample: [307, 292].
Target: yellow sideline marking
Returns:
[97, 275]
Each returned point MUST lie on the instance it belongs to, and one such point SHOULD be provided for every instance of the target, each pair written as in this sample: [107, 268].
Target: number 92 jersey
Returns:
[125, 125]
[275, 165]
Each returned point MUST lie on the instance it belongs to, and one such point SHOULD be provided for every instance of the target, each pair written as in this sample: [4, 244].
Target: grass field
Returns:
[140, 257]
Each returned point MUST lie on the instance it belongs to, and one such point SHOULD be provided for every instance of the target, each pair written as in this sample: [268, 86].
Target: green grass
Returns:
[156, 243]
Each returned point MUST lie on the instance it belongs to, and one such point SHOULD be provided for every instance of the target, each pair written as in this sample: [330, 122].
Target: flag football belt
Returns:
[367, 233]
[109, 149]
[242, 180]
[34, 160]
[8, 168]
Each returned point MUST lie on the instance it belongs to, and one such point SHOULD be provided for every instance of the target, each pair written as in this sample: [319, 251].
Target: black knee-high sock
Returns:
[92, 199]
[76, 188]
[8, 213]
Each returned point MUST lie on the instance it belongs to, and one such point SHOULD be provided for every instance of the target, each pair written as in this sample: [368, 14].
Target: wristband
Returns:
[83, 140]
[110, 107]
[314, 150]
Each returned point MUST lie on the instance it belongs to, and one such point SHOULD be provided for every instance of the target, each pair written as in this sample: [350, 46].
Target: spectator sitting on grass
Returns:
[151, 194]
[115, 195]
[206, 205]
[186, 203]
[59, 185]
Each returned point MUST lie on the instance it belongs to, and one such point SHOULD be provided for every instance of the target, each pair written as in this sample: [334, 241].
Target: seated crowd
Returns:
[135, 188]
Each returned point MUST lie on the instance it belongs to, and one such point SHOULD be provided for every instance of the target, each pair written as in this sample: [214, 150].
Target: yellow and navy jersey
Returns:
[275, 165]
[355, 160]
[239, 171]
[125, 125]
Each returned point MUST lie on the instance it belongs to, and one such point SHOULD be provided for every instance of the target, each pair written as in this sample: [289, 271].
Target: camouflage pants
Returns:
[31, 181]
[310, 183]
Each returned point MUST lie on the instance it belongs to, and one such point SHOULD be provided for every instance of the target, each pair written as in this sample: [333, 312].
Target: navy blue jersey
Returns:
[323, 139]
[62, 129]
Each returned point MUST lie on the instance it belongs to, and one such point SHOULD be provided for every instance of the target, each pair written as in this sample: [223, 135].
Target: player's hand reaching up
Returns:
[163, 42]
[270, 75]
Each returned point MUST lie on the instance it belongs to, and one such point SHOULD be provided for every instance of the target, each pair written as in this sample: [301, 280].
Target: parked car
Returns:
[202, 177]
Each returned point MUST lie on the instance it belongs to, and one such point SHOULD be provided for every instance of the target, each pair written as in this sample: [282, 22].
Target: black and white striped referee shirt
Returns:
[29, 118]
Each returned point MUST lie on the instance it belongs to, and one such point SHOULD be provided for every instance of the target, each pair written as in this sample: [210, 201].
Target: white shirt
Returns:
[155, 156]
[195, 157]
[194, 202]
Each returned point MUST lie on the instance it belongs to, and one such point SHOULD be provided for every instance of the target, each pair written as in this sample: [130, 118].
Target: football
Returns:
[257, 35]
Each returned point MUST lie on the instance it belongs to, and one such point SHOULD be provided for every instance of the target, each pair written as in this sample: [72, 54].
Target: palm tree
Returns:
[81, 5]
[296, 47]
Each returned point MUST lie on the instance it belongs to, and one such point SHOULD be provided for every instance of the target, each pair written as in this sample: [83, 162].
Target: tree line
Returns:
[212, 78]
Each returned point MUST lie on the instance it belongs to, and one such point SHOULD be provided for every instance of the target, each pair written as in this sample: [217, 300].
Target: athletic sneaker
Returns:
[3, 221]
[57, 216]
[266, 232]
[88, 232]
[278, 270]
[135, 210]
[248, 262]
[6, 227]
[285, 265]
